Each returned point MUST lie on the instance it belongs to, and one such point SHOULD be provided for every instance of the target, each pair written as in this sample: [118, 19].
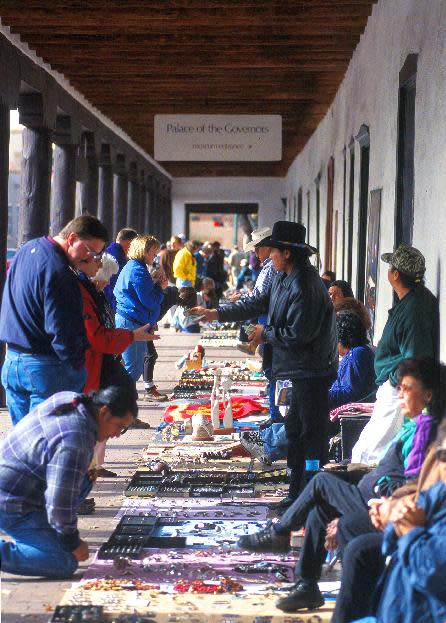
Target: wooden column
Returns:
[133, 197]
[155, 215]
[90, 183]
[105, 188]
[142, 203]
[64, 177]
[148, 206]
[4, 172]
[120, 193]
[168, 211]
[36, 170]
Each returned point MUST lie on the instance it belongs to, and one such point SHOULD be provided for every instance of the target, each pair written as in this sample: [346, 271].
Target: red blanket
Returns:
[241, 407]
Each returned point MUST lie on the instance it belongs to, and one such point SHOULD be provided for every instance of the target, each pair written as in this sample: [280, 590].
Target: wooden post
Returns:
[148, 205]
[133, 197]
[4, 172]
[168, 211]
[36, 170]
[155, 216]
[120, 193]
[89, 185]
[105, 188]
[142, 203]
[64, 176]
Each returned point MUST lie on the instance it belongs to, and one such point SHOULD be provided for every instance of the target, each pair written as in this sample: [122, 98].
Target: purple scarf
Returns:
[416, 456]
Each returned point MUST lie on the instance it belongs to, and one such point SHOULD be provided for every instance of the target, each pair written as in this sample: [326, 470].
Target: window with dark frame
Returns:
[351, 210]
[405, 152]
[363, 138]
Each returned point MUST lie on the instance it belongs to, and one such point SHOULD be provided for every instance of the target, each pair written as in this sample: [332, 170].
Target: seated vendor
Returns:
[355, 380]
[356, 375]
[43, 477]
[328, 495]
[206, 297]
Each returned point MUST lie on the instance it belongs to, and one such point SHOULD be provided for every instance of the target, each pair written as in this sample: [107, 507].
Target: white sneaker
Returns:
[252, 442]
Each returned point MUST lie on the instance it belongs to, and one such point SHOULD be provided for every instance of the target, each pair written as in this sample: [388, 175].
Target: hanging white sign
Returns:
[218, 138]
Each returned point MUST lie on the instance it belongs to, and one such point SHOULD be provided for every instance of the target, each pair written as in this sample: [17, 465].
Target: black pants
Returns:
[325, 497]
[306, 427]
[170, 299]
[362, 565]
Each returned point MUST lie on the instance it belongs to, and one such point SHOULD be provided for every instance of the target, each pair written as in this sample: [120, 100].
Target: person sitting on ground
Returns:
[339, 290]
[183, 321]
[44, 461]
[363, 560]
[328, 495]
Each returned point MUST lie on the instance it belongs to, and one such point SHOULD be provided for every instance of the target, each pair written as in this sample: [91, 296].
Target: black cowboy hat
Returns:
[286, 235]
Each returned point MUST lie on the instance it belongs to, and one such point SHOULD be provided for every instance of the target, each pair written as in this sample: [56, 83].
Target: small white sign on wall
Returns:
[218, 138]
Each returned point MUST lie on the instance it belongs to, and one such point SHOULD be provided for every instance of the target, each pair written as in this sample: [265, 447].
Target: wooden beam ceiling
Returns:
[133, 60]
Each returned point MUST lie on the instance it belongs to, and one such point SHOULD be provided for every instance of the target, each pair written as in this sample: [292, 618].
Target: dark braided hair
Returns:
[120, 401]
[351, 330]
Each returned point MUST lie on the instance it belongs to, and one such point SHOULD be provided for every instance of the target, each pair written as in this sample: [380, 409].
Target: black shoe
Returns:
[87, 507]
[267, 540]
[303, 595]
[283, 505]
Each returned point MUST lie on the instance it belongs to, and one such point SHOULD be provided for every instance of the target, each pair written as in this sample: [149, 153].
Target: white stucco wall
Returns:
[267, 192]
[369, 95]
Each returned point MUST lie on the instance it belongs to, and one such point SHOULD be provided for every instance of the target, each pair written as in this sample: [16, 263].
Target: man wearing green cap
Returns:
[411, 329]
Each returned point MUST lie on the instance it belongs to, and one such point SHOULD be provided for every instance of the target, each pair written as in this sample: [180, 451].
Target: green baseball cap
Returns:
[408, 260]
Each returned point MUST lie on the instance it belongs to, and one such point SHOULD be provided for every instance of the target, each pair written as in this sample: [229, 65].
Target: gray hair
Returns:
[109, 268]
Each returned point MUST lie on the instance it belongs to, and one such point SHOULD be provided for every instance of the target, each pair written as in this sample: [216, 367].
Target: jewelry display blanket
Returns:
[167, 567]
[159, 607]
[202, 508]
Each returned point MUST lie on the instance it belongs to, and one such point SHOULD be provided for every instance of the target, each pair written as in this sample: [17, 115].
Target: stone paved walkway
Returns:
[28, 599]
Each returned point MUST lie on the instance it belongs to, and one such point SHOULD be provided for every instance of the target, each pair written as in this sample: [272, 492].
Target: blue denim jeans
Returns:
[133, 355]
[30, 379]
[274, 412]
[36, 549]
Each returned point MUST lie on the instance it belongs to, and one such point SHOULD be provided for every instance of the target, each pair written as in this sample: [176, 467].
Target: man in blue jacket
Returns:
[41, 317]
[118, 250]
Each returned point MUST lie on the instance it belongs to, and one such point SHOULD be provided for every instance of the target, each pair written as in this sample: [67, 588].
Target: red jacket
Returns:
[102, 341]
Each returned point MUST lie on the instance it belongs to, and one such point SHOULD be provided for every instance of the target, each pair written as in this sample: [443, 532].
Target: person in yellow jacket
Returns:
[185, 264]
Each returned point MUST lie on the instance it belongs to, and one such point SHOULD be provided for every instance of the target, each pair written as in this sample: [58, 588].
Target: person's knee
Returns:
[65, 568]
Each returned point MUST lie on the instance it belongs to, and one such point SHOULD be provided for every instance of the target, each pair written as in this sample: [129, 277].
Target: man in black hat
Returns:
[299, 340]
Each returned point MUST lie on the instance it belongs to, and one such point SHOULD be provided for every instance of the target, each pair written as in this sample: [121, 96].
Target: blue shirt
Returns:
[43, 461]
[42, 310]
[138, 298]
[356, 377]
[264, 280]
[118, 253]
